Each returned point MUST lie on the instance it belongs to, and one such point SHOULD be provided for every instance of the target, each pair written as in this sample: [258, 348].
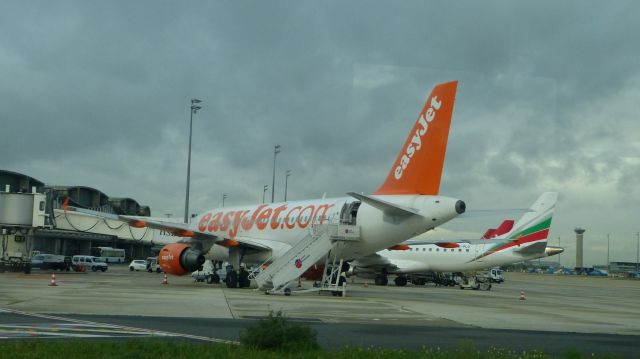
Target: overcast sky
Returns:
[96, 93]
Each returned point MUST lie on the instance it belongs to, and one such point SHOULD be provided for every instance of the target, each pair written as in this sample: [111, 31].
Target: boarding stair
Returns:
[320, 240]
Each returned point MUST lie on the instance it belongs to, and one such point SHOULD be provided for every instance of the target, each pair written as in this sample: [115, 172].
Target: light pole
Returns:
[276, 150]
[265, 188]
[224, 196]
[638, 251]
[559, 263]
[194, 109]
[286, 181]
[608, 248]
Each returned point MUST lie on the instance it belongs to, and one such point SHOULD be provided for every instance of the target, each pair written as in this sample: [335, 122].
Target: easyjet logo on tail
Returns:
[416, 141]
[418, 167]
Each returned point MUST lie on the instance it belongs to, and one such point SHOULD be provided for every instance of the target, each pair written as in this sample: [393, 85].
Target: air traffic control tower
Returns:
[579, 246]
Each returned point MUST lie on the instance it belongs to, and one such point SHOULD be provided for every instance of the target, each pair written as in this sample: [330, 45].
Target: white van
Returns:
[89, 262]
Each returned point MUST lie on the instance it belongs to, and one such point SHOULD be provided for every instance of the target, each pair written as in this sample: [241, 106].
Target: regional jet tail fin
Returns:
[418, 167]
[505, 227]
[534, 225]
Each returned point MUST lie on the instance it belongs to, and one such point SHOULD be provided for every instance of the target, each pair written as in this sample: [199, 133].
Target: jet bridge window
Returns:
[349, 213]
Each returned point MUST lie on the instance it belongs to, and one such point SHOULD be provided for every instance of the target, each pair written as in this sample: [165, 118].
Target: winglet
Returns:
[418, 167]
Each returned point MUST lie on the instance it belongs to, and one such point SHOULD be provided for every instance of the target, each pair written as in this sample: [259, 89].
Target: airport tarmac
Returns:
[553, 305]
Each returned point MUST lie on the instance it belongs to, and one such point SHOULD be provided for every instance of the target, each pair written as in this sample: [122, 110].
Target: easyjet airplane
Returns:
[509, 243]
[405, 205]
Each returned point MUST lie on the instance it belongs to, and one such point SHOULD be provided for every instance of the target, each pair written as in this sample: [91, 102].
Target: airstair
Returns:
[319, 242]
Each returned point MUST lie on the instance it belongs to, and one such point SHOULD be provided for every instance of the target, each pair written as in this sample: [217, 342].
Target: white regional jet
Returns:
[407, 204]
[510, 243]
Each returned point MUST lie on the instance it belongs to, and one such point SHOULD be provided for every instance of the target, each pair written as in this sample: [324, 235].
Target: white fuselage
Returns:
[469, 256]
[279, 226]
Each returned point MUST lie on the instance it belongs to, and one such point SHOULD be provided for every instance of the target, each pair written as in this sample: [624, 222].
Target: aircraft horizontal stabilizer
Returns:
[386, 207]
[538, 247]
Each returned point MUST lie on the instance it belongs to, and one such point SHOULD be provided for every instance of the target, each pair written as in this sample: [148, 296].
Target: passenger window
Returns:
[467, 250]
[430, 249]
[437, 249]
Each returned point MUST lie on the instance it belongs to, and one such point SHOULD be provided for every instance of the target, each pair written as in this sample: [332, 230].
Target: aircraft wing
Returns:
[182, 230]
[253, 244]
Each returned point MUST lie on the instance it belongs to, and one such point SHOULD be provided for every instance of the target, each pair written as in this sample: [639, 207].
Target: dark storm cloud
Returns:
[97, 93]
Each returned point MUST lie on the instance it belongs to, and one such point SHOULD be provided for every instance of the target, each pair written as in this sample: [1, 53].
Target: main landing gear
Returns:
[381, 279]
[237, 279]
[401, 281]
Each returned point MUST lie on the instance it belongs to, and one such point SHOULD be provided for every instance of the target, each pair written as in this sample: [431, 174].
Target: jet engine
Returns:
[179, 259]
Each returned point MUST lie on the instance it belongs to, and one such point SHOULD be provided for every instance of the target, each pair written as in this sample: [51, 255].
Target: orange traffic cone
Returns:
[522, 295]
[53, 280]
[164, 280]
[366, 285]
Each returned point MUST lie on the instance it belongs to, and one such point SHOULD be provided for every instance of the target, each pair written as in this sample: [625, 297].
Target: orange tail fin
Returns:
[418, 168]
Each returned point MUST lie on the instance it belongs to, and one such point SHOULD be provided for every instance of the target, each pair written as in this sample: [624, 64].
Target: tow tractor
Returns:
[475, 282]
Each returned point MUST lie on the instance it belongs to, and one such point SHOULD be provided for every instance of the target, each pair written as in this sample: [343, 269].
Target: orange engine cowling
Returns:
[179, 259]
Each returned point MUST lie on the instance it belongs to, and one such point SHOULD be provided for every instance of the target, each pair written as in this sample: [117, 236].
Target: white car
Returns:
[138, 264]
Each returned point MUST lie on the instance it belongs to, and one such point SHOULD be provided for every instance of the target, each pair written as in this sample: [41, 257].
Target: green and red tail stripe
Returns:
[534, 233]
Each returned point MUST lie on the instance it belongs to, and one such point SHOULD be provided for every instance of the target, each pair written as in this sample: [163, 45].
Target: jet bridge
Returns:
[21, 214]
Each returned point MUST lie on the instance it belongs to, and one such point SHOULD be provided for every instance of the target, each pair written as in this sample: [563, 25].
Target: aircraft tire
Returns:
[243, 279]
[381, 280]
[401, 281]
[232, 279]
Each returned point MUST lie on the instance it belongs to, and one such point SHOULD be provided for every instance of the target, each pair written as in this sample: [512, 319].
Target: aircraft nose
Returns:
[460, 207]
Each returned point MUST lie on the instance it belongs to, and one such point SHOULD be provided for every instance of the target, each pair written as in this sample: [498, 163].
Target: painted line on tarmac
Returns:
[120, 329]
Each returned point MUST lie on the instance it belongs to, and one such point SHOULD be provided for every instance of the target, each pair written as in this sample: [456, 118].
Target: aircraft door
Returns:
[349, 213]
[479, 251]
[336, 212]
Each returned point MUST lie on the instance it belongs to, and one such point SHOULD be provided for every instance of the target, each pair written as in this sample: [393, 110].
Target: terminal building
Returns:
[32, 220]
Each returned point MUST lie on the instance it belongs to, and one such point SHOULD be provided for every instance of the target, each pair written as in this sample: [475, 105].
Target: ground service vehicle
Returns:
[89, 262]
[475, 283]
[153, 265]
[50, 261]
[137, 265]
[495, 275]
